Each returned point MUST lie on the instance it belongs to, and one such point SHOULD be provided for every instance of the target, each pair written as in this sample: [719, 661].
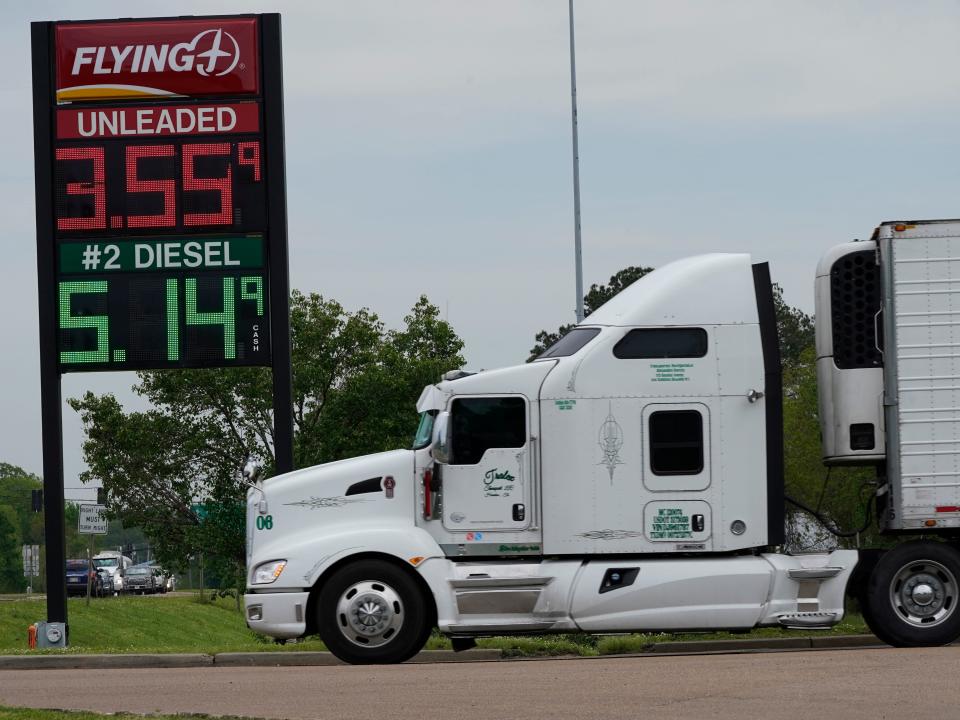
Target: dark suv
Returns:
[77, 573]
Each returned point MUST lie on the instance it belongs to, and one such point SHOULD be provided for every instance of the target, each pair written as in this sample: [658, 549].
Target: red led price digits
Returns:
[173, 173]
[223, 184]
[136, 185]
[96, 189]
[249, 153]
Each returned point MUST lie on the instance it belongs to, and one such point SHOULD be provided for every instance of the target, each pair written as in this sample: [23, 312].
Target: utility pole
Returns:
[578, 254]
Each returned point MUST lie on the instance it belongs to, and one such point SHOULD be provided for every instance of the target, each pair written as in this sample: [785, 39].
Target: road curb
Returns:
[294, 658]
[291, 659]
[749, 644]
[103, 662]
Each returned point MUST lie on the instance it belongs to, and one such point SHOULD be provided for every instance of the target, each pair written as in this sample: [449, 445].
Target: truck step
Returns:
[499, 627]
[809, 619]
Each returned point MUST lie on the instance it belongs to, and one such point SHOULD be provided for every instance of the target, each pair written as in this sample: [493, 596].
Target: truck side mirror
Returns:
[442, 438]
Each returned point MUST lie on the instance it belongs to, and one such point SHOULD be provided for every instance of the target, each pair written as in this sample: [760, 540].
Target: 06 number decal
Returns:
[265, 522]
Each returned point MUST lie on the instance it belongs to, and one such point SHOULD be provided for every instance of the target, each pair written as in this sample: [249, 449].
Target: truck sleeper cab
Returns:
[629, 479]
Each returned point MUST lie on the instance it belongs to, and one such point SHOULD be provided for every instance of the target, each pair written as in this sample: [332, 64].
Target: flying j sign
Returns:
[156, 58]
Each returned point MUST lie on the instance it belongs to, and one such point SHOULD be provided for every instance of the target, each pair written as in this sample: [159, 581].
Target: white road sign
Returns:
[92, 520]
[31, 560]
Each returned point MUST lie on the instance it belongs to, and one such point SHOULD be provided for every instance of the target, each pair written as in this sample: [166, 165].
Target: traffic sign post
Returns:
[92, 520]
[160, 212]
[31, 561]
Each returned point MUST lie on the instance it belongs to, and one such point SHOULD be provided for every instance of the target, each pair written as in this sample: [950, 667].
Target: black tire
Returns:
[396, 616]
[913, 593]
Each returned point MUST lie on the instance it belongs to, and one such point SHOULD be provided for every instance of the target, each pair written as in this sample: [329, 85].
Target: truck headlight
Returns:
[266, 573]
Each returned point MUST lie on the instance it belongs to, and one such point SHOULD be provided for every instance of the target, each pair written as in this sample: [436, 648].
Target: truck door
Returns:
[487, 484]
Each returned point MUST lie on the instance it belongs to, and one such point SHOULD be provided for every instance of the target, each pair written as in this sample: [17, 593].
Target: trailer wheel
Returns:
[913, 593]
[371, 611]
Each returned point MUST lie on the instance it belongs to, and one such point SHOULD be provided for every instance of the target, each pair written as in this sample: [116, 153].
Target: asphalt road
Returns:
[848, 684]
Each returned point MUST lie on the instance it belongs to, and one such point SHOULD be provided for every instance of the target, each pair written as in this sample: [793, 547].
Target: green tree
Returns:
[795, 329]
[11, 562]
[173, 470]
[16, 487]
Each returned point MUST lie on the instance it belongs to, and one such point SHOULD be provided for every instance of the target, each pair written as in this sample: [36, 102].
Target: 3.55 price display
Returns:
[158, 320]
[130, 187]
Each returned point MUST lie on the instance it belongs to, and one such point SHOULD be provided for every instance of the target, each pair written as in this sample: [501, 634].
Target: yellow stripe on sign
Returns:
[108, 92]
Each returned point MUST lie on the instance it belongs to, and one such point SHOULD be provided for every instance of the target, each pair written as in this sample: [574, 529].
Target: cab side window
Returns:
[482, 423]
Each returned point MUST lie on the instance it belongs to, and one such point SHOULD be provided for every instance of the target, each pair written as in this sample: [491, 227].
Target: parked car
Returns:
[162, 580]
[116, 564]
[140, 579]
[77, 573]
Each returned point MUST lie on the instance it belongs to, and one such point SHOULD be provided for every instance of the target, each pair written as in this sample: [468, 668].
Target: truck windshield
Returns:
[424, 430]
[105, 562]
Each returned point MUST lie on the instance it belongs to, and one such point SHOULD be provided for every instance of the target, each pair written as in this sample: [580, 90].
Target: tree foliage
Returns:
[16, 487]
[795, 330]
[173, 470]
[18, 524]
[11, 564]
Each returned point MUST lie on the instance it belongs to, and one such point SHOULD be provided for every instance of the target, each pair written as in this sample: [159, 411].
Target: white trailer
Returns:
[631, 477]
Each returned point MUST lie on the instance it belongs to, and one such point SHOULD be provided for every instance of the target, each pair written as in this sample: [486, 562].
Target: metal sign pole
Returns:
[577, 250]
[50, 400]
[89, 562]
[279, 263]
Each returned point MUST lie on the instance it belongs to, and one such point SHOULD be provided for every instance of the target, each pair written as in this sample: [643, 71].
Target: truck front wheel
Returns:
[371, 611]
[912, 595]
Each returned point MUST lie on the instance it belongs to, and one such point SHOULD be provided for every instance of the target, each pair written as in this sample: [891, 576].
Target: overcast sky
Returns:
[428, 150]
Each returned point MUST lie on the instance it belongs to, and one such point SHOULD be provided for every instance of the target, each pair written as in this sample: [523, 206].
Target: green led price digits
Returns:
[178, 302]
[69, 321]
[226, 318]
[251, 288]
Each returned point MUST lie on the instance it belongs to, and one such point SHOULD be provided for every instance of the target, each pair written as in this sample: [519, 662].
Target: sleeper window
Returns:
[676, 442]
[662, 343]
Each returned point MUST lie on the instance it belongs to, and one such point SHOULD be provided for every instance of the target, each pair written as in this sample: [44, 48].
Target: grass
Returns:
[151, 624]
[184, 625]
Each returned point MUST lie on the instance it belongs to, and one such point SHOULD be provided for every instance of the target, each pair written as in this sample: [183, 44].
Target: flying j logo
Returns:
[136, 60]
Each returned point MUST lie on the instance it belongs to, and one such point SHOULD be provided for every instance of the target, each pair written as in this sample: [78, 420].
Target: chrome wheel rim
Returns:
[370, 613]
[924, 593]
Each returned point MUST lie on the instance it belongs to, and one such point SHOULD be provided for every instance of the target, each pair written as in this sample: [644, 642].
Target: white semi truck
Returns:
[631, 477]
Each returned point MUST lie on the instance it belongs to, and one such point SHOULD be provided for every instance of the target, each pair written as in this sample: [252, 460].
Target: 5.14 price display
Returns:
[157, 320]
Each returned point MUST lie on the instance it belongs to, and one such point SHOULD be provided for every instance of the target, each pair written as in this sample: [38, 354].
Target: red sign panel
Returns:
[153, 59]
[157, 120]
